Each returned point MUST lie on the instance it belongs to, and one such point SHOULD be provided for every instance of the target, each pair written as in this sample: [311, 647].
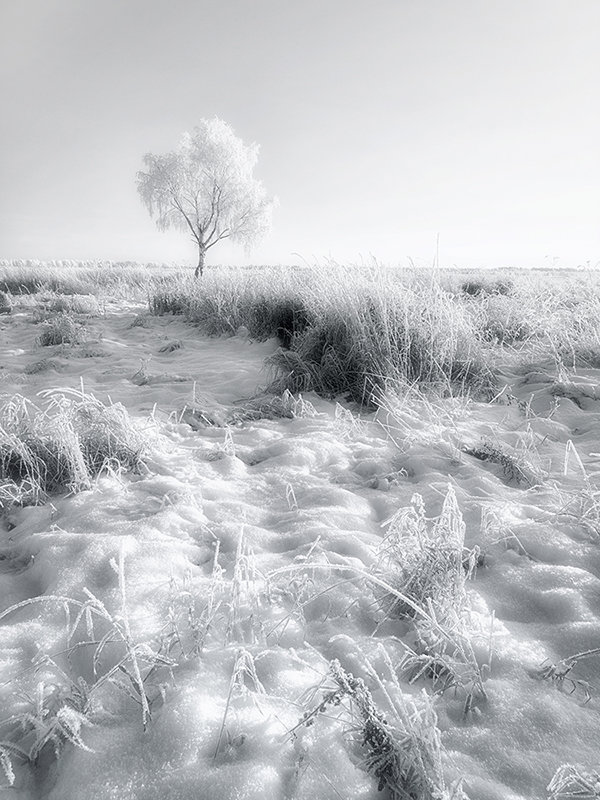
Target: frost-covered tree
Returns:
[206, 187]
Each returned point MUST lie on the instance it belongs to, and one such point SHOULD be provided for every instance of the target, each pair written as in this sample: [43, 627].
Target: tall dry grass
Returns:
[342, 331]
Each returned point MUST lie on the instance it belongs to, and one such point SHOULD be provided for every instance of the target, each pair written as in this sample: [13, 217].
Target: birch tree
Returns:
[206, 187]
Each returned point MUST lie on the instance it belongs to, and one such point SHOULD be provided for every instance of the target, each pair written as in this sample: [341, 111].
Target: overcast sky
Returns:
[381, 124]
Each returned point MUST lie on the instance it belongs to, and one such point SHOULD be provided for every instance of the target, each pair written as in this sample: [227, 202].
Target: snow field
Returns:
[241, 561]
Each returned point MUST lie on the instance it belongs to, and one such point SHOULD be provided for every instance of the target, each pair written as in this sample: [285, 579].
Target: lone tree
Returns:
[206, 186]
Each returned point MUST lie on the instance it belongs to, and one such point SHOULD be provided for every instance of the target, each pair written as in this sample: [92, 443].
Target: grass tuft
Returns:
[62, 329]
[62, 446]
[5, 303]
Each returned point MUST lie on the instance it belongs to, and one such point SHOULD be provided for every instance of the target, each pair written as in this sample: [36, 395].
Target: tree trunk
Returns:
[200, 268]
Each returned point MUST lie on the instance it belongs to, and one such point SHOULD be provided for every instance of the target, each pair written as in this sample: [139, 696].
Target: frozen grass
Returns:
[420, 578]
[63, 703]
[371, 323]
[545, 315]
[341, 331]
[63, 445]
[224, 613]
[378, 335]
[478, 286]
[81, 277]
[504, 322]
[353, 332]
[86, 304]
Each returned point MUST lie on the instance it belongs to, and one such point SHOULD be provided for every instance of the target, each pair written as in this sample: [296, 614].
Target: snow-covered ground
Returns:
[242, 556]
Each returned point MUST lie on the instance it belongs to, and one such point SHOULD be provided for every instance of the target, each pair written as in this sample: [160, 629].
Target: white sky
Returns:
[381, 123]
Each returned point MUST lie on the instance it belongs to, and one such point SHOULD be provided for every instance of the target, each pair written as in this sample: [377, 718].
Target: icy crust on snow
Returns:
[279, 519]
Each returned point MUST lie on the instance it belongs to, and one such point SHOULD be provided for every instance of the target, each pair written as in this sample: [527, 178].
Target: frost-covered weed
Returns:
[140, 321]
[171, 347]
[43, 365]
[561, 673]
[425, 557]
[402, 747]
[269, 406]
[426, 561]
[242, 674]
[57, 714]
[193, 615]
[444, 653]
[227, 611]
[245, 591]
[252, 409]
[571, 781]
[516, 466]
[62, 704]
